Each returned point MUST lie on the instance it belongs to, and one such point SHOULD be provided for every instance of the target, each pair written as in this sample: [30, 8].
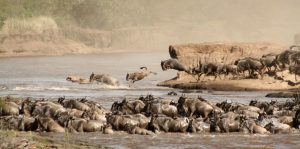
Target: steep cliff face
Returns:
[193, 54]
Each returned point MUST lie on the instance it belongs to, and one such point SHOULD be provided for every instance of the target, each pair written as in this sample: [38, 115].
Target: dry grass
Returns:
[36, 25]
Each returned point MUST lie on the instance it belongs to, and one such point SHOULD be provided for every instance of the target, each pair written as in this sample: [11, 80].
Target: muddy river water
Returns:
[44, 77]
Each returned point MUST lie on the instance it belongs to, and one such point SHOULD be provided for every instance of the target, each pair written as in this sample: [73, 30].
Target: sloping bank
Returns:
[193, 54]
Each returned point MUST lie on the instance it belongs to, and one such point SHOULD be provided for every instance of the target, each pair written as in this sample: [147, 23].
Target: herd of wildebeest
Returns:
[287, 59]
[255, 67]
[148, 115]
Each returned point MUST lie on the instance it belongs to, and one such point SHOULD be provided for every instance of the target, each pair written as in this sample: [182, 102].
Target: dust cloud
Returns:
[165, 22]
[146, 25]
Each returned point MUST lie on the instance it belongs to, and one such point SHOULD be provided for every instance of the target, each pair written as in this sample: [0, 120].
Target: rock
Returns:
[281, 95]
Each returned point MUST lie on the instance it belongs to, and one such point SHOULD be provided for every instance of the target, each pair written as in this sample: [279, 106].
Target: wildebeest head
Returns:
[236, 61]
[163, 67]
[270, 127]
[253, 103]
[68, 78]
[115, 106]
[127, 77]
[182, 100]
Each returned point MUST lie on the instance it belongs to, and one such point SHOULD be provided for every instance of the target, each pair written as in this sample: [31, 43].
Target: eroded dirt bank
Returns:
[193, 54]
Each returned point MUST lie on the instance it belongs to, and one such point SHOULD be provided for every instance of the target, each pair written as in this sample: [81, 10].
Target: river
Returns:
[45, 77]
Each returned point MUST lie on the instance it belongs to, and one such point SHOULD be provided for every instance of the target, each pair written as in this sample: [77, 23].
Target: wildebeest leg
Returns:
[199, 76]
[204, 76]
[216, 75]
[261, 72]
[296, 76]
[191, 112]
[131, 83]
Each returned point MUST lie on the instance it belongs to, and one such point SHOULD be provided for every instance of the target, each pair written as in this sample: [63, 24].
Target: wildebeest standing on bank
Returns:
[104, 78]
[137, 76]
[295, 69]
[269, 61]
[250, 64]
[283, 58]
[209, 69]
[173, 64]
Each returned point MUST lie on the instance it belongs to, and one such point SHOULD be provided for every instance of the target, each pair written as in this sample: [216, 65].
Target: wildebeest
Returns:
[173, 64]
[168, 124]
[242, 66]
[250, 64]
[49, 125]
[133, 129]
[128, 107]
[226, 69]
[73, 104]
[295, 69]
[283, 58]
[161, 108]
[104, 78]
[28, 124]
[82, 125]
[189, 107]
[8, 108]
[118, 122]
[294, 58]
[206, 69]
[73, 78]
[269, 61]
[137, 76]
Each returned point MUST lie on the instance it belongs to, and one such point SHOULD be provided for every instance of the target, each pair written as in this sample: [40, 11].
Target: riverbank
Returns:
[191, 55]
[267, 84]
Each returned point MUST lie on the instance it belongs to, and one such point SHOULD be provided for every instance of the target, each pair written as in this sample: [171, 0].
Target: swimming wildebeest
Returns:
[8, 108]
[189, 107]
[73, 78]
[173, 64]
[104, 78]
[168, 124]
[137, 76]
